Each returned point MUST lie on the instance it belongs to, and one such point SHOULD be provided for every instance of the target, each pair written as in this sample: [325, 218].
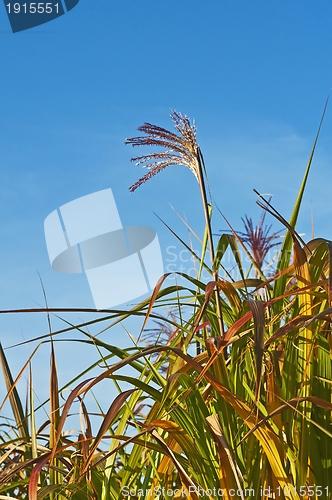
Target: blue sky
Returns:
[253, 74]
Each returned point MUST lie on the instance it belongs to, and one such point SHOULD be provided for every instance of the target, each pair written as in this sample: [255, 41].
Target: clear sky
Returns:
[254, 74]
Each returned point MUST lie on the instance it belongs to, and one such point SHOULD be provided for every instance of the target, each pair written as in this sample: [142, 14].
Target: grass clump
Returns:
[234, 401]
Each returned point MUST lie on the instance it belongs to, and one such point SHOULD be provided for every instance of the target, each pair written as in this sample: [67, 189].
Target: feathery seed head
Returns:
[259, 238]
[181, 147]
